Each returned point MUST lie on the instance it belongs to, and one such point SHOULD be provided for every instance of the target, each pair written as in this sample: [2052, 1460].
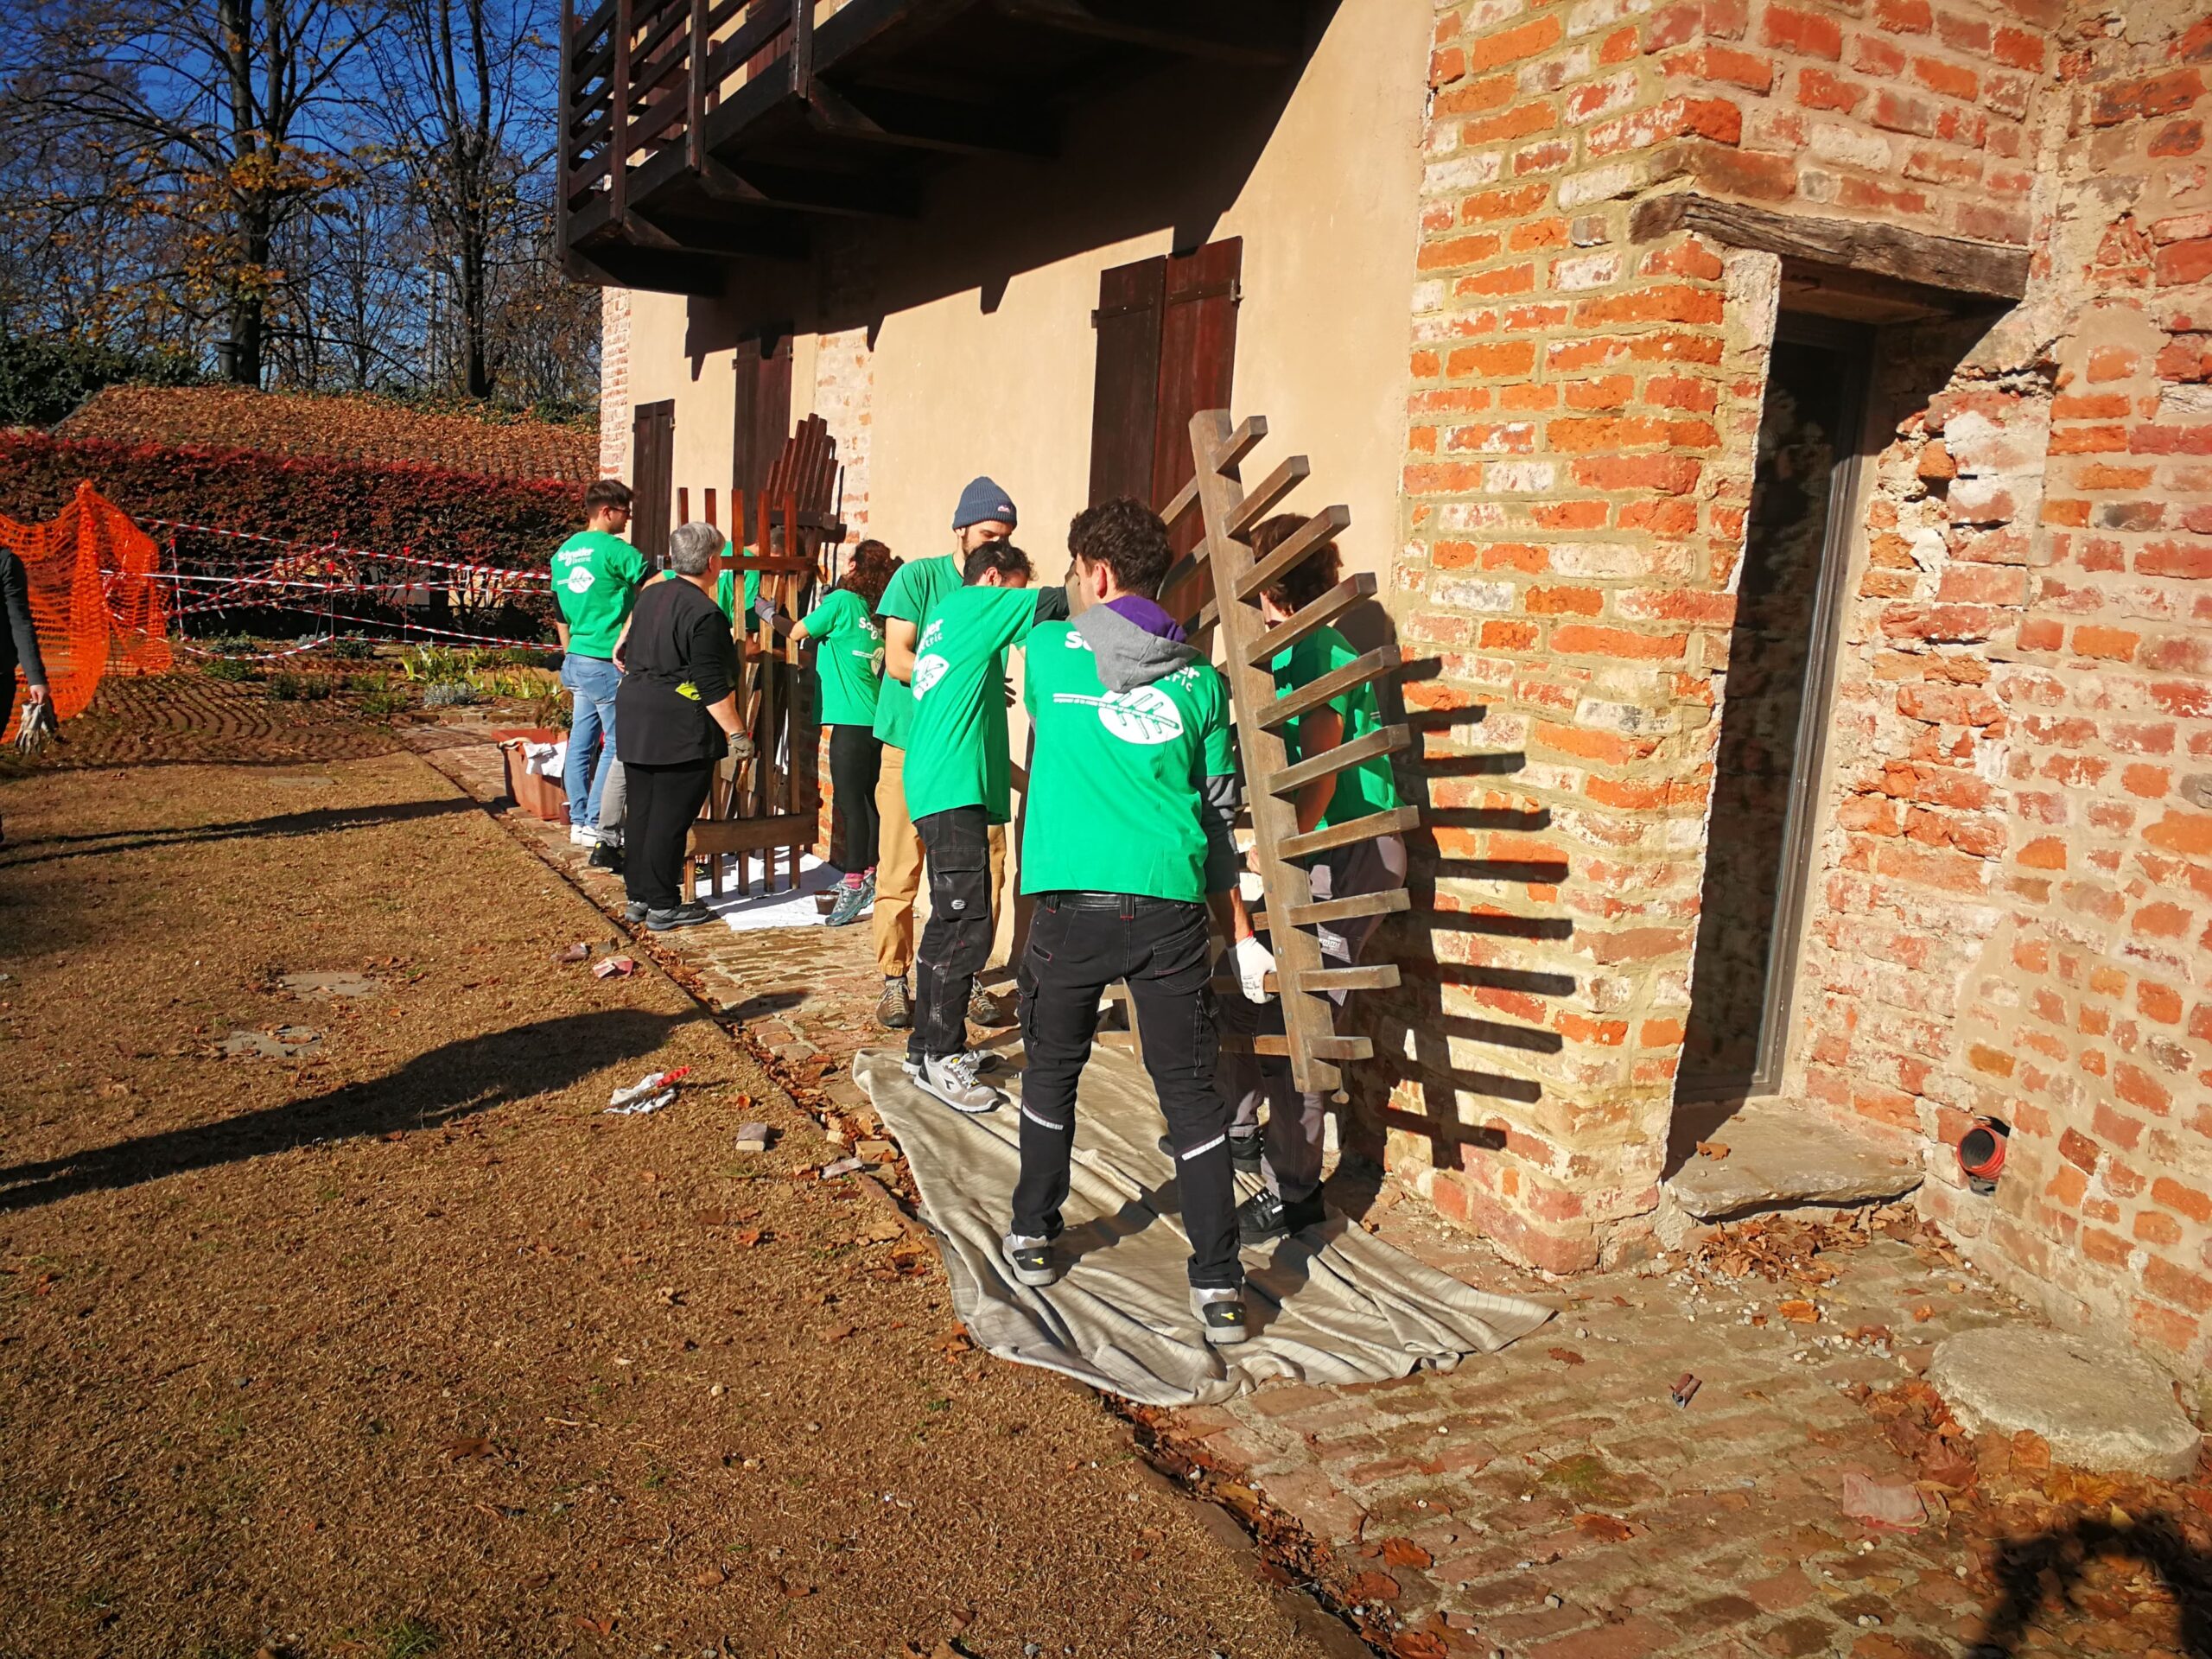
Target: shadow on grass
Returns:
[328, 820]
[447, 1083]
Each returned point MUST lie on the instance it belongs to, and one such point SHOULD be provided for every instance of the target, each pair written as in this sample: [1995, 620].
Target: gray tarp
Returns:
[1331, 1304]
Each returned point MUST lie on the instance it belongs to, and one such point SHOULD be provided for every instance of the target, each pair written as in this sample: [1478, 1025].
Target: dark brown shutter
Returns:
[652, 479]
[1197, 351]
[763, 420]
[1125, 396]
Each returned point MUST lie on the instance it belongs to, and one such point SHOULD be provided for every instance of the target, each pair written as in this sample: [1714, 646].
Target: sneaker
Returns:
[893, 1011]
[1263, 1216]
[636, 912]
[851, 901]
[1221, 1315]
[684, 915]
[979, 1060]
[867, 886]
[605, 856]
[983, 1008]
[580, 835]
[953, 1081]
[1031, 1259]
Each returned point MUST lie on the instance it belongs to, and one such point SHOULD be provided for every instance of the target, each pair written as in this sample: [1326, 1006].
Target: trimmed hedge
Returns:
[427, 511]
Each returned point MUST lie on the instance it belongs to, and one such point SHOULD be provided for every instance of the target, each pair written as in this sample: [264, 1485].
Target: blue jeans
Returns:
[592, 680]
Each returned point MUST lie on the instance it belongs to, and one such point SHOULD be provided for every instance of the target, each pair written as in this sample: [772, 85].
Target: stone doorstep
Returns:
[1782, 1154]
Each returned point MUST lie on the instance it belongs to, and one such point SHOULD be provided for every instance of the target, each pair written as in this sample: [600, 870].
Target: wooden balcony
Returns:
[697, 133]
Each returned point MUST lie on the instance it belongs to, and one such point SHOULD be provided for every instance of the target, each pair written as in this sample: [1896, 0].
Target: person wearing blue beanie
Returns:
[984, 503]
[985, 513]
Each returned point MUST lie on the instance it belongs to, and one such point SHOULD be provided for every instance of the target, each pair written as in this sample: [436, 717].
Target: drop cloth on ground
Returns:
[751, 910]
[1329, 1305]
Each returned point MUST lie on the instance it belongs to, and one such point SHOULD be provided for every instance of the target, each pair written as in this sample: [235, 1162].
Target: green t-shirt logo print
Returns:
[1147, 714]
[928, 670]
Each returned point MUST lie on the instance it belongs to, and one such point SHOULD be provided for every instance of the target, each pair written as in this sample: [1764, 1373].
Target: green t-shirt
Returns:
[916, 585]
[1369, 786]
[595, 579]
[849, 657]
[955, 740]
[1114, 784]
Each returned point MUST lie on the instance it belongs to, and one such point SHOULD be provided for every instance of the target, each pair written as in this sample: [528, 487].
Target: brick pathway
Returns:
[1553, 1501]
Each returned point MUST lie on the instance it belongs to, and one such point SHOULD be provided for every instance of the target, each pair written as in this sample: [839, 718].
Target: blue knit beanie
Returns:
[981, 502]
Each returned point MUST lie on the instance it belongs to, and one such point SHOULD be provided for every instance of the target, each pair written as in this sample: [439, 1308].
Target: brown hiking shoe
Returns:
[892, 1010]
[982, 1007]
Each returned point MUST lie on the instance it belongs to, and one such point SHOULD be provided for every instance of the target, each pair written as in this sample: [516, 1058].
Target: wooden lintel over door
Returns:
[1166, 348]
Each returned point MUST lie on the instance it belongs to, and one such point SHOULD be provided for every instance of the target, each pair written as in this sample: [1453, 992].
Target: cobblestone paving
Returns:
[1553, 1501]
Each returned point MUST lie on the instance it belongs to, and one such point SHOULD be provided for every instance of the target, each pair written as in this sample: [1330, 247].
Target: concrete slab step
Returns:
[1780, 1154]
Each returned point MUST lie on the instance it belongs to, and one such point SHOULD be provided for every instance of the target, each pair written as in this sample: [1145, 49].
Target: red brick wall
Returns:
[2014, 888]
[2017, 920]
[1578, 465]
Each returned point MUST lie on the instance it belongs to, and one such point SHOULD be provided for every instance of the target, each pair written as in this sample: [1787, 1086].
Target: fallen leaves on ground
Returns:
[469, 1448]
[1783, 1247]
[1372, 1586]
[1565, 1356]
[1403, 1552]
[1800, 1312]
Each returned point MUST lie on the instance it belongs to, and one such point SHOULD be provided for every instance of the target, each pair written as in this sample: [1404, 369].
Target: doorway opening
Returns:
[1775, 711]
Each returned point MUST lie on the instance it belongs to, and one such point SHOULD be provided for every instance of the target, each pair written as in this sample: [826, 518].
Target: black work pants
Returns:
[662, 803]
[855, 758]
[957, 942]
[1077, 947]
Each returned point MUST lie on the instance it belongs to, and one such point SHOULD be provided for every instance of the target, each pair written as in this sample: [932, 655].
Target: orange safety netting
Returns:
[96, 598]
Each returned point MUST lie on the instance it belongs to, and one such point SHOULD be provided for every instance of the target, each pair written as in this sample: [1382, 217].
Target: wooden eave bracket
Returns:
[1945, 264]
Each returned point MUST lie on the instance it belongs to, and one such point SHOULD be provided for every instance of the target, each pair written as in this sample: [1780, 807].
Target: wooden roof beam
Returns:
[1079, 17]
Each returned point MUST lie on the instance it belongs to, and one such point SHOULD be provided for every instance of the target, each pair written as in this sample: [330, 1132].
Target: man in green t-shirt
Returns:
[958, 783]
[986, 513]
[1290, 1160]
[1132, 794]
[596, 577]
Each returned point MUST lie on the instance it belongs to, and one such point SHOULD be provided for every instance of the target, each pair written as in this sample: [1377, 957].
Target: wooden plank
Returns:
[1395, 821]
[1367, 666]
[1341, 598]
[694, 117]
[1947, 262]
[1268, 492]
[721, 838]
[1391, 901]
[1324, 526]
[1374, 976]
[1385, 740]
[1309, 1018]
[618, 137]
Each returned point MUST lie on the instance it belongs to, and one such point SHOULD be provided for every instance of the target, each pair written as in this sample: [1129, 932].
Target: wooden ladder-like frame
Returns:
[1223, 563]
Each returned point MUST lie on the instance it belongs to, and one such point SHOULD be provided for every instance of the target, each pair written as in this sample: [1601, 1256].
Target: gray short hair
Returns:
[692, 546]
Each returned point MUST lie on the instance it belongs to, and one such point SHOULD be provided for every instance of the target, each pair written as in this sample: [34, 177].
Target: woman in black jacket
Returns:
[18, 643]
[674, 716]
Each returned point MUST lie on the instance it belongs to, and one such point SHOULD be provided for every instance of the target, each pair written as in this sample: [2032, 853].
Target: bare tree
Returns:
[217, 108]
[462, 119]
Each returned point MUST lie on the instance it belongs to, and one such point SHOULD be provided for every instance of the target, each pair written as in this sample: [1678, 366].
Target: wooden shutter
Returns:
[652, 479]
[763, 419]
[1198, 352]
[1125, 399]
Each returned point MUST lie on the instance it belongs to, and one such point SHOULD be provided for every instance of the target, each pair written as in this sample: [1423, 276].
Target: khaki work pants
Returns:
[898, 868]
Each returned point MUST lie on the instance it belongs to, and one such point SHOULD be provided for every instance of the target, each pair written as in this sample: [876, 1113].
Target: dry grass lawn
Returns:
[401, 1345]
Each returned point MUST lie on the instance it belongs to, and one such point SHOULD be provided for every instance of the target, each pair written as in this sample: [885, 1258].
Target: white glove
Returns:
[1253, 962]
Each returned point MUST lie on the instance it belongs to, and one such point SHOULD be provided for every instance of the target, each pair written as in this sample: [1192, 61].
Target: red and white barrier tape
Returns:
[331, 549]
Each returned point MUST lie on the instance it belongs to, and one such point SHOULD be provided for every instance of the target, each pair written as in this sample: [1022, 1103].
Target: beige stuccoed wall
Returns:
[1328, 212]
[1328, 216]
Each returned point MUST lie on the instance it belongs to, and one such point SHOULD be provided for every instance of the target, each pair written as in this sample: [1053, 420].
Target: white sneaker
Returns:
[953, 1081]
[1221, 1315]
[580, 836]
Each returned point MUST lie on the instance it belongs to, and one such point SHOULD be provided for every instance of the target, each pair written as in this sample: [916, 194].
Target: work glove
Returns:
[1253, 962]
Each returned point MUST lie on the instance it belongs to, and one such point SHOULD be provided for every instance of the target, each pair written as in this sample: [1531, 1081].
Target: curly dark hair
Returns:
[1308, 579]
[1128, 538]
[870, 573]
